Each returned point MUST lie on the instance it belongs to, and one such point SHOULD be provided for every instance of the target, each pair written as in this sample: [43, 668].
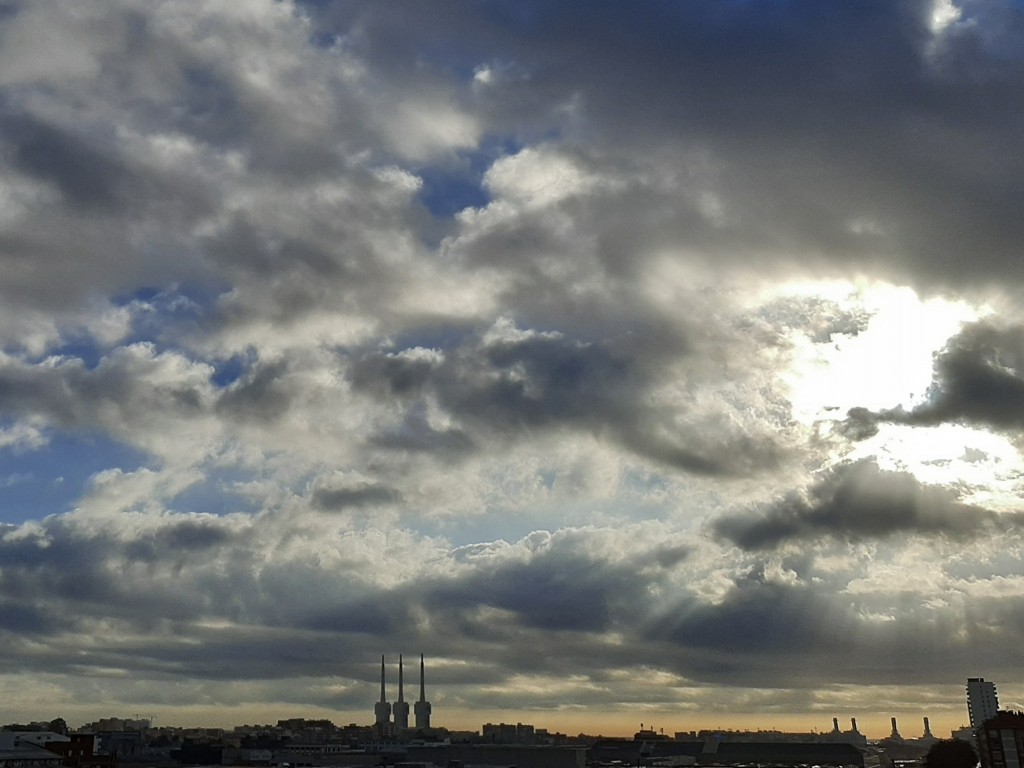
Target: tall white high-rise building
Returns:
[982, 701]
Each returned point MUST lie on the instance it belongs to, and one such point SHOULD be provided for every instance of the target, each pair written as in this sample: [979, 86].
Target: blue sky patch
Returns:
[445, 192]
[227, 372]
[50, 480]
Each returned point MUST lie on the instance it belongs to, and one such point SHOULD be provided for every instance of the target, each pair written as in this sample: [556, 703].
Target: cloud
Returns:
[508, 382]
[865, 139]
[977, 380]
[355, 496]
[459, 330]
[853, 502]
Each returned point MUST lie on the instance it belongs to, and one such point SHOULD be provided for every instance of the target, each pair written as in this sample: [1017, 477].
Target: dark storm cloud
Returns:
[136, 384]
[155, 588]
[555, 592]
[787, 634]
[66, 571]
[494, 608]
[131, 384]
[30, 619]
[259, 395]
[548, 381]
[366, 494]
[188, 536]
[756, 617]
[851, 132]
[855, 502]
[415, 435]
[86, 177]
[247, 246]
[978, 379]
[65, 574]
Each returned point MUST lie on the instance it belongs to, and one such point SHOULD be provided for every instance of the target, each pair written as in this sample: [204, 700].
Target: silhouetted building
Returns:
[507, 733]
[714, 751]
[20, 738]
[79, 751]
[1001, 741]
[28, 756]
[518, 755]
[895, 734]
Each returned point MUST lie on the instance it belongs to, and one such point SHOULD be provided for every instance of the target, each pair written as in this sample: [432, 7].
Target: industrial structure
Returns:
[422, 707]
[401, 708]
[383, 709]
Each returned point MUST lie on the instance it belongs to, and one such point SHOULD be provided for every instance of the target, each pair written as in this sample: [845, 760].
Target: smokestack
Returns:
[401, 692]
[835, 725]
[400, 709]
[927, 730]
[853, 723]
[422, 707]
[423, 689]
[382, 709]
[895, 733]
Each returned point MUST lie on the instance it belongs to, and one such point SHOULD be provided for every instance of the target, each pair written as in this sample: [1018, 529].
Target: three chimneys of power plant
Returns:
[383, 709]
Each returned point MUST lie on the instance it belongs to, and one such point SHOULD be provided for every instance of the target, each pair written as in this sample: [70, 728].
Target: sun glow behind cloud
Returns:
[889, 363]
[360, 345]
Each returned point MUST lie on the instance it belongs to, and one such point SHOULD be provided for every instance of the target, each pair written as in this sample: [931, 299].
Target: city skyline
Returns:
[658, 364]
[913, 723]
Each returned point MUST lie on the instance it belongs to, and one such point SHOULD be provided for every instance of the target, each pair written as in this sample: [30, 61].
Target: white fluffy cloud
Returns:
[336, 329]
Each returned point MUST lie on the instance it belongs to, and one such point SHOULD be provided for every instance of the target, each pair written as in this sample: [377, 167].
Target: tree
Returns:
[951, 753]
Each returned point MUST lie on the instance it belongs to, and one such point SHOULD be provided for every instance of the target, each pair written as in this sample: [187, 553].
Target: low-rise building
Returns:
[1001, 741]
[28, 756]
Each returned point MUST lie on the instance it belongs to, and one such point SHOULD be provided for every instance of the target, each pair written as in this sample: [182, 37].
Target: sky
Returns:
[659, 363]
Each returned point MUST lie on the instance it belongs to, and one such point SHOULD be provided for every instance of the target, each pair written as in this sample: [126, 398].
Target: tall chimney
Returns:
[401, 707]
[382, 710]
[422, 707]
[835, 725]
[853, 723]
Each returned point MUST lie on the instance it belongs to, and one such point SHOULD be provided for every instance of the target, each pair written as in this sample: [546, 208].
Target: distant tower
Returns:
[982, 701]
[401, 708]
[895, 735]
[853, 725]
[835, 725]
[422, 707]
[382, 709]
[927, 730]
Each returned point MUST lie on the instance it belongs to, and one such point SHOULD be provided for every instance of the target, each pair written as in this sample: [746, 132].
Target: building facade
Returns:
[982, 701]
[1001, 741]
